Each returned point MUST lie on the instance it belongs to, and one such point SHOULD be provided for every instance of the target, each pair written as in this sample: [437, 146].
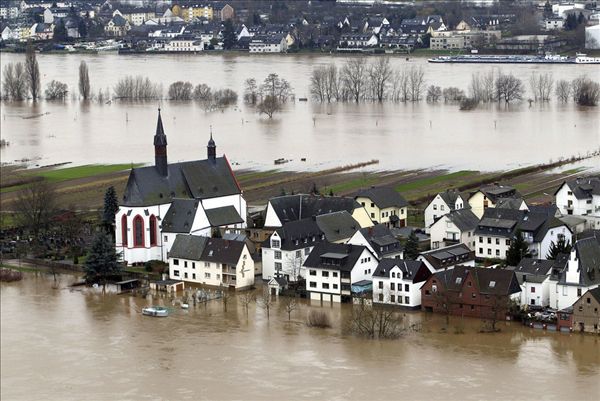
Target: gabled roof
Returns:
[495, 192]
[296, 207]
[342, 257]
[595, 293]
[383, 197]
[506, 222]
[188, 247]
[583, 188]
[448, 256]
[588, 255]
[463, 219]
[533, 270]
[495, 281]
[409, 268]
[298, 234]
[450, 197]
[180, 216]
[337, 225]
[452, 279]
[200, 179]
[223, 216]
[221, 250]
[379, 236]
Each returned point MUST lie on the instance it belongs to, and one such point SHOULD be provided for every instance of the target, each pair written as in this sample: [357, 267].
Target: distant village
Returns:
[294, 26]
[485, 254]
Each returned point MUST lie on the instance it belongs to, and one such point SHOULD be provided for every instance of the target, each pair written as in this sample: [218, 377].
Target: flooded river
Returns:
[69, 345]
[401, 136]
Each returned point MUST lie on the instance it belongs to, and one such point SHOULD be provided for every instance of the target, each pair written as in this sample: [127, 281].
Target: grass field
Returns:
[438, 179]
[89, 170]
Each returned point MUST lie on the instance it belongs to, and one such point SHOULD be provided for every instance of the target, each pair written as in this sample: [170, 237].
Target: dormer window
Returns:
[275, 243]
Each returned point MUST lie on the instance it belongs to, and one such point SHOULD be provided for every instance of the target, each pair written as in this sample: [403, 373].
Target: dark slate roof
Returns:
[583, 188]
[495, 192]
[381, 239]
[449, 256]
[464, 219]
[450, 197]
[509, 203]
[533, 270]
[200, 179]
[298, 234]
[337, 225]
[180, 216]
[223, 216]
[188, 247]
[595, 293]
[221, 250]
[495, 281]
[383, 197]
[588, 255]
[452, 279]
[342, 257]
[296, 207]
[409, 268]
[505, 223]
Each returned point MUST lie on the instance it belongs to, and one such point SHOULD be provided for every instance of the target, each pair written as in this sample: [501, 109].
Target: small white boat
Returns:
[185, 306]
[156, 311]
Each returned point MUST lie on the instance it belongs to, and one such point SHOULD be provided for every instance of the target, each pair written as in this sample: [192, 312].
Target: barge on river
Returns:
[516, 59]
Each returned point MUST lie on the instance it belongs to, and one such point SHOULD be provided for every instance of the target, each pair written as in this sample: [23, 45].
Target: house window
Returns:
[298, 254]
[325, 273]
[152, 230]
[124, 230]
[489, 240]
[334, 274]
[372, 215]
[481, 240]
[392, 298]
[497, 241]
[380, 298]
[393, 275]
[176, 262]
[588, 300]
[277, 254]
[176, 273]
[497, 252]
[277, 266]
[406, 289]
[434, 207]
[507, 242]
[185, 263]
[312, 284]
[185, 275]
[166, 239]
[480, 250]
[489, 251]
[392, 286]
[380, 284]
[335, 286]
[306, 251]
[579, 292]
[206, 264]
[325, 286]
[532, 289]
[406, 300]
[275, 243]
[193, 276]
[372, 204]
[312, 272]
[206, 275]
[138, 231]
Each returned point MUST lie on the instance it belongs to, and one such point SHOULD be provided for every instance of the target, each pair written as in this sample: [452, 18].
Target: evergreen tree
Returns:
[561, 246]
[111, 207]
[580, 18]
[229, 38]
[101, 262]
[518, 250]
[411, 248]
[60, 32]
[82, 28]
[547, 9]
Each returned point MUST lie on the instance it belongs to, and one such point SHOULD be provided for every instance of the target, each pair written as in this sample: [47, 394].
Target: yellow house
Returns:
[384, 205]
[489, 196]
[197, 11]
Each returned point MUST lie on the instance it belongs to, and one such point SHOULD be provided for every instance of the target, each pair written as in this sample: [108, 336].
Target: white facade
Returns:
[288, 263]
[395, 290]
[586, 208]
[554, 23]
[212, 273]
[438, 207]
[383, 215]
[327, 284]
[259, 45]
[445, 233]
[184, 45]
[535, 293]
[359, 239]
[563, 295]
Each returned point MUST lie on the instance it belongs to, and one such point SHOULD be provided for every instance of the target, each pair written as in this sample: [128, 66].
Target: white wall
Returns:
[400, 286]
[436, 208]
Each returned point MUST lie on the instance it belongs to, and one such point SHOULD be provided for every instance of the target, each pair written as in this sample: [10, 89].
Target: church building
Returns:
[165, 200]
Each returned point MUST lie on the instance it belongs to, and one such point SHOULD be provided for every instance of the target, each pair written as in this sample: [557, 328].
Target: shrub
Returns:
[318, 318]
[468, 104]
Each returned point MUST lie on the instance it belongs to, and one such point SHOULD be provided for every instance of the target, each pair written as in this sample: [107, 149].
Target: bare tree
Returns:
[269, 106]
[380, 74]
[137, 88]
[563, 90]
[400, 86]
[318, 83]
[276, 87]
[246, 299]
[32, 72]
[453, 94]
[225, 298]
[202, 93]
[56, 90]
[14, 83]
[85, 90]
[509, 88]
[585, 91]
[36, 205]
[374, 322]
[181, 91]
[354, 78]
[416, 79]
[250, 91]
[541, 86]
[266, 302]
[434, 93]
[333, 85]
[290, 305]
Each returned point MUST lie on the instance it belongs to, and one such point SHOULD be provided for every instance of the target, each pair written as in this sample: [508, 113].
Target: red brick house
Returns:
[470, 291]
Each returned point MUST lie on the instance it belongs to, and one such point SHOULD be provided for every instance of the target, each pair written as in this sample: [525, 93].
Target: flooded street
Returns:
[400, 135]
[69, 345]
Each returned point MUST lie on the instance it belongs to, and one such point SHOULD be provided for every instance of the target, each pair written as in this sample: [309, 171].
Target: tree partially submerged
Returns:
[102, 261]
[14, 82]
[56, 90]
[269, 106]
[32, 73]
[374, 321]
[85, 90]
[35, 206]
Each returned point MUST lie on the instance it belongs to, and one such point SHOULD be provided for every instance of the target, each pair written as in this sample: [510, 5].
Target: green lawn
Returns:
[89, 170]
[429, 181]
[350, 185]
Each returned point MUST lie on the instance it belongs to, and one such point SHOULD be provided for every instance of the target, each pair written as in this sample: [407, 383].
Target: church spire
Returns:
[160, 148]
[211, 149]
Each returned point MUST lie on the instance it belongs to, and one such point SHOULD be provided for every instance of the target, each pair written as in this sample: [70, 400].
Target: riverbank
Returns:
[82, 188]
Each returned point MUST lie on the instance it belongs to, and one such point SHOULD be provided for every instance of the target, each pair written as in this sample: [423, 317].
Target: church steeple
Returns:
[211, 149]
[160, 148]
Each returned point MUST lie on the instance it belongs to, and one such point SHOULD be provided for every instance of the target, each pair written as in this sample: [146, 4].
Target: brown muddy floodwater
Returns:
[72, 345]
[400, 135]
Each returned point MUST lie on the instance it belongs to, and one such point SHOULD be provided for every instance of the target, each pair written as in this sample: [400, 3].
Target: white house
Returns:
[275, 43]
[554, 23]
[398, 282]
[204, 195]
[498, 228]
[577, 273]
[333, 268]
[211, 261]
[592, 36]
[580, 197]
[447, 258]
[384, 205]
[488, 196]
[534, 278]
[184, 43]
[380, 241]
[458, 226]
[358, 40]
[443, 203]
[286, 208]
